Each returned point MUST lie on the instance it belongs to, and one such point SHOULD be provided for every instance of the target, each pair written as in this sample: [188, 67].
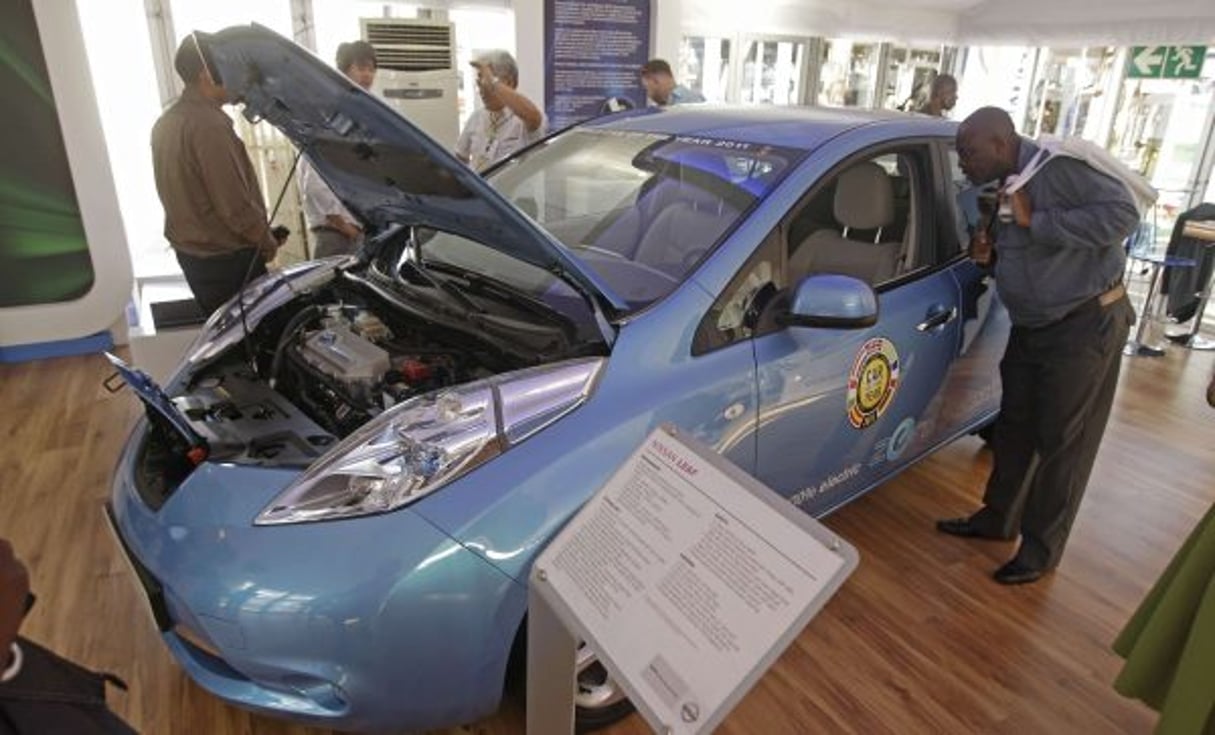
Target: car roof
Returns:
[795, 127]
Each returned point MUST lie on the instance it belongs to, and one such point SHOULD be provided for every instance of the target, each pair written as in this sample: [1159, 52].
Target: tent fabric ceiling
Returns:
[1104, 22]
[969, 22]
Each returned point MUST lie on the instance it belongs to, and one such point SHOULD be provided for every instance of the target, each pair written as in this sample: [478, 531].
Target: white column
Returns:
[666, 29]
[529, 48]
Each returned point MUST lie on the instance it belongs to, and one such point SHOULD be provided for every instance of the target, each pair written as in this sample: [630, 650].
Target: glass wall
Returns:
[1070, 91]
[704, 66]
[1161, 130]
[909, 74]
[772, 71]
[848, 73]
[995, 76]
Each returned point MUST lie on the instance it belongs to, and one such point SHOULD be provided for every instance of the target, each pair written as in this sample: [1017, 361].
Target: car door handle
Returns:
[937, 319]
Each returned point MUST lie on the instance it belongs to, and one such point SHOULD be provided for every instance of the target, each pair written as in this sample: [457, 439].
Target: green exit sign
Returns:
[1166, 62]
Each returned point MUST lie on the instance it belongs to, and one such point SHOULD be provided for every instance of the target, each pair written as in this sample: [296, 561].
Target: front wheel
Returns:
[599, 701]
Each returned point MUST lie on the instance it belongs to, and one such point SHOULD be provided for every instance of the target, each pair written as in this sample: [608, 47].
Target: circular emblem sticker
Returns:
[899, 440]
[873, 381]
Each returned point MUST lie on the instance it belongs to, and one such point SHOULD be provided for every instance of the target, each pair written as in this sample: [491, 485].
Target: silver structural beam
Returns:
[164, 48]
[303, 24]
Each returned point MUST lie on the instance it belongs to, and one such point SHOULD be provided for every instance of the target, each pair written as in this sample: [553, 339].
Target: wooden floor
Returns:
[918, 640]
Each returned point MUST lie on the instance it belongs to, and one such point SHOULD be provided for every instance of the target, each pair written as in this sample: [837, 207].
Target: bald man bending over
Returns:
[1058, 259]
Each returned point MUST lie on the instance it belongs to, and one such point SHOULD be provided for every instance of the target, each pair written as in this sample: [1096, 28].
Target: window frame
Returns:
[930, 154]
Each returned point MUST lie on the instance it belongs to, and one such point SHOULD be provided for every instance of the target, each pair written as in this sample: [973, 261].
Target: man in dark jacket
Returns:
[1058, 260]
[39, 691]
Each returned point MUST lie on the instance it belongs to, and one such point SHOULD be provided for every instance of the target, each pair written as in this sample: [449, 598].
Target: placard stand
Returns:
[687, 577]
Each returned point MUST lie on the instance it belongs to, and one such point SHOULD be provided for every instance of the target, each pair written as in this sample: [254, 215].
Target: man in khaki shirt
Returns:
[215, 218]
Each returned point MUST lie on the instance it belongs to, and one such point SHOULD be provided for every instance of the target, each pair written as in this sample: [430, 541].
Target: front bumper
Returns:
[370, 623]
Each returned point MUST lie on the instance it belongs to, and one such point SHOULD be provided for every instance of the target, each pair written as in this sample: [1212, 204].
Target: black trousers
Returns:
[217, 278]
[1059, 383]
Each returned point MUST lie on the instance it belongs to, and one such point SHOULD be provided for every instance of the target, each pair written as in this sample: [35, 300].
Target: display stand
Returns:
[687, 577]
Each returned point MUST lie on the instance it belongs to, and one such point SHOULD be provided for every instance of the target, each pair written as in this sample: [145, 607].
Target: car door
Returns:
[840, 410]
[971, 395]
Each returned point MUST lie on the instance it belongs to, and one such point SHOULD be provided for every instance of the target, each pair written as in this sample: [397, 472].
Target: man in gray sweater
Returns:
[1058, 260]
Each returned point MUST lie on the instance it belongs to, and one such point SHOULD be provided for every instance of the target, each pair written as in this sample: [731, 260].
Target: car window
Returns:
[641, 209]
[963, 200]
[737, 314]
[863, 222]
[867, 219]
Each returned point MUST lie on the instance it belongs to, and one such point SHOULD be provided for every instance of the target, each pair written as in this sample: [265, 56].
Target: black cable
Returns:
[289, 331]
[240, 295]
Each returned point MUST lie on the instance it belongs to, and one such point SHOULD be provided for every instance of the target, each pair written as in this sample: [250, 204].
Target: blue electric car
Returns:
[334, 503]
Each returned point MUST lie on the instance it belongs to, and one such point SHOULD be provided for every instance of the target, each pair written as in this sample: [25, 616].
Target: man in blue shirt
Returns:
[1058, 262]
[660, 86]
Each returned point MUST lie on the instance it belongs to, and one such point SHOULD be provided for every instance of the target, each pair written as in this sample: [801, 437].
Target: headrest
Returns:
[864, 198]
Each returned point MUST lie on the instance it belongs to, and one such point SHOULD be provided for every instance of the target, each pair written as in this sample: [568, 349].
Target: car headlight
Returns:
[265, 294]
[416, 447]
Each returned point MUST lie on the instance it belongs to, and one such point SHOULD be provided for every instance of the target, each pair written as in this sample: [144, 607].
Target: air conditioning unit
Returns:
[416, 75]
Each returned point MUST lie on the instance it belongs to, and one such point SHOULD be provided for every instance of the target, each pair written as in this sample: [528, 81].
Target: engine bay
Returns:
[343, 365]
[314, 370]
[317, 369]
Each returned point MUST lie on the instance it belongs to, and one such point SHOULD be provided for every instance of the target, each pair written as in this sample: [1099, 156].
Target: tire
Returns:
[598, 700]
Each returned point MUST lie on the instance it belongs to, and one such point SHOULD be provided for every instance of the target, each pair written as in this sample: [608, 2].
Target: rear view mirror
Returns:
[831, 301]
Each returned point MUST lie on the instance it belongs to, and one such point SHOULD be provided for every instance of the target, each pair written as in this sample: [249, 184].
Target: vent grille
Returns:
[411, 45]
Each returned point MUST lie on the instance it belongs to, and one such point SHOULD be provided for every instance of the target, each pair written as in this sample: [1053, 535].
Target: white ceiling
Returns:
[1012, 22]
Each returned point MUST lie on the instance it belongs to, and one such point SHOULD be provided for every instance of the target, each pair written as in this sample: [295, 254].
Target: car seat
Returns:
[864, 200]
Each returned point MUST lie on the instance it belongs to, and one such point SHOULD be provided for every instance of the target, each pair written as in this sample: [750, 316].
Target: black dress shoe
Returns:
[1014, 572]
[967, 528]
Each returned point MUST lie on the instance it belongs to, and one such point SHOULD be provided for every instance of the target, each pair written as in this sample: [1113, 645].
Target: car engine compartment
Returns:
[314, 370]
[342, 364]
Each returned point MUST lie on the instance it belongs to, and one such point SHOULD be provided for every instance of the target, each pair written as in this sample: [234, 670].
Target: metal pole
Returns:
[1150, 309]
[879, 79]
[303, 24]
[1196, 341]
[814, 70]
[164, 48]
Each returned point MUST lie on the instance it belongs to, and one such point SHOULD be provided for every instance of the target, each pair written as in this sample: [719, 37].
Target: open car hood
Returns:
[382, 167]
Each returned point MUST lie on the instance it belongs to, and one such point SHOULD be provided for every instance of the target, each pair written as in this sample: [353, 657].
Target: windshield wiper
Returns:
[412, 262]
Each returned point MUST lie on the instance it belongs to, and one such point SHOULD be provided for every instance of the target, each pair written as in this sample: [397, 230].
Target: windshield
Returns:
[640, 209]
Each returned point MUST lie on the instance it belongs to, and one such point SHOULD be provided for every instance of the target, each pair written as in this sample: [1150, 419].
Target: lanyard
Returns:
[489, 154]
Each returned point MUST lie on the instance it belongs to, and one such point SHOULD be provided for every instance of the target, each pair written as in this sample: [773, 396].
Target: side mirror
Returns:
[831, 301]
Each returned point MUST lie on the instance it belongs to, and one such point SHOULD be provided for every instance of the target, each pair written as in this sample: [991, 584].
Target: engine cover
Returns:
[345, 356]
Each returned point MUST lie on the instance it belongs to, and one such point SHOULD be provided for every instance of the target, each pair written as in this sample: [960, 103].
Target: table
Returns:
[1151, 306]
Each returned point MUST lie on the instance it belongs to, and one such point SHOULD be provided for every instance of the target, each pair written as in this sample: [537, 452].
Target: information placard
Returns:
[593, 54]
[688, 578]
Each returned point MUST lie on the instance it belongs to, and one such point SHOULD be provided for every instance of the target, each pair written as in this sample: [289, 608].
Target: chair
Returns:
[864, 200]
[682, 233]
[1141, 250]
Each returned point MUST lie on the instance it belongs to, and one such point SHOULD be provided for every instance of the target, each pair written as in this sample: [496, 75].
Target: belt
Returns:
[1103, 299]
[1112, 294]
